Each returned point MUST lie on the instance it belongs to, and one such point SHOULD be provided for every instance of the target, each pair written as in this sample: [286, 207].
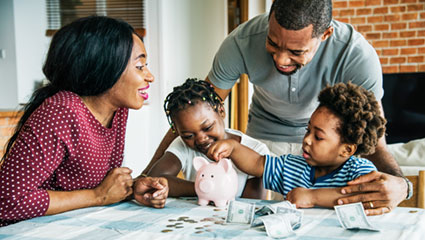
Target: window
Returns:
[62, 12]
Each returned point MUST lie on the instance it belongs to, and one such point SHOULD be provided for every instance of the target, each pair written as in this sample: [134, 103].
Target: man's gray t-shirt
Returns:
[282, 105]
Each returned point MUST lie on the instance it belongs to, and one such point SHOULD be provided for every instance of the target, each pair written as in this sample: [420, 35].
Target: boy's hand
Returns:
[151, 191]
[221, 149]
[301, 197]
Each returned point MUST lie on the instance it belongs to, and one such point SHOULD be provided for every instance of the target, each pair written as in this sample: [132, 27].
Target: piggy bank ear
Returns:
[198, 162]
[226, 164]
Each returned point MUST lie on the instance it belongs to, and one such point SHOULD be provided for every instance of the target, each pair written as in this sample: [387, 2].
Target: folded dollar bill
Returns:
[277, 225]
[352, 216]
[272, 208]
[294, 215]
[240, 212]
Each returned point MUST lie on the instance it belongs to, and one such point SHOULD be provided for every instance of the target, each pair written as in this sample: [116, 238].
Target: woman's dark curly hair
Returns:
[189, 94]
[361, 121]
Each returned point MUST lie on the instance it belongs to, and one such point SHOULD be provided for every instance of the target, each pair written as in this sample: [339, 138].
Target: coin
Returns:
[413, 211]
[178, 223]
[166, 230]
[218, 209]
[199, 228]
[172, 220]
[197, 232]
[179, 227]
[170, 226]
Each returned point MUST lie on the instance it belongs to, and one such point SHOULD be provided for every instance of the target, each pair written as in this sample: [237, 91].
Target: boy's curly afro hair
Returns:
[361, 121]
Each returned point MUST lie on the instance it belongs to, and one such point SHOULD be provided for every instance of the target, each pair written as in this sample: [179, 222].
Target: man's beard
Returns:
[297, 67]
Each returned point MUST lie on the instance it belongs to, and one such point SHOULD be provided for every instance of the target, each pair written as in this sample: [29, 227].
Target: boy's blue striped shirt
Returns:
[282, 174]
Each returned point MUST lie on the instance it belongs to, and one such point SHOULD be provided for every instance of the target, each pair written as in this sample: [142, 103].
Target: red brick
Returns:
[407, 34]
[392, 18]
[420, 24]
[415, 7]
[408, 51]
[390, 52]
[408, 68]
[6, 131]
[421, 68]
[353, 3]
[421, 33]
[383, 60]
[390, 69]
[398, 43]
[363, 11]
[415, 59]
[398, 26]
[381, 27]
[421, 50]
[389, 35]
[346, 20]
[373, 36]
[380, 10]
[408, 1]
[339, 4]
[358, 20]
[364, 28]
[422, 15]
[375, 19]
[398, 9]
[381, 43]
[394, 60]
[372, 2]
[388, 2]
[410, 16]
[415, 42]
[4, 121]
[346, 12]
[335, 13]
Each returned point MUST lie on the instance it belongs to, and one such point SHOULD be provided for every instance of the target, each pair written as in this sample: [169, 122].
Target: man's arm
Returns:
[223, 93]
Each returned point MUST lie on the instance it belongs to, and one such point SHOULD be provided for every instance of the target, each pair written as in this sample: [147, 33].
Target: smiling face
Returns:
[200, 126]
[292, 49]
[322, 145]
[130, 89]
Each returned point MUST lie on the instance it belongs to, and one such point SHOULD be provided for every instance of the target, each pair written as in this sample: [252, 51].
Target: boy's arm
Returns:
[322, 197]
[246, 159]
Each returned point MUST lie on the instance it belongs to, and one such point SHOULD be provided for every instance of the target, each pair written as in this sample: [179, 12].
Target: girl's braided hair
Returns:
[361, 121]
[189, 94]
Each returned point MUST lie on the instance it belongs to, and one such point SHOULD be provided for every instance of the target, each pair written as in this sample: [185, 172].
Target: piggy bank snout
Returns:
[206, 186]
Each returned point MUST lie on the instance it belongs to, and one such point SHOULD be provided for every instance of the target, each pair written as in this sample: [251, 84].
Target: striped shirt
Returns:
[284, 173]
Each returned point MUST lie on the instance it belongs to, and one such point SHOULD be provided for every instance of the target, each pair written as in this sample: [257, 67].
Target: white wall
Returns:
[9, 88]
[182, 38]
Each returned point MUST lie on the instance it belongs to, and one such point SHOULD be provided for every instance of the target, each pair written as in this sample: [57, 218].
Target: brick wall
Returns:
[395, 28]
[8, 121]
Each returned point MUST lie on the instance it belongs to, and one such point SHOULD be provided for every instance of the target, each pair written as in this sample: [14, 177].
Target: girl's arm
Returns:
[246, 159]
[169, 166]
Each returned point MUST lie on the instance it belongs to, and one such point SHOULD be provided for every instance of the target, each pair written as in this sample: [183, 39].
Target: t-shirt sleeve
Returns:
[228, 64]
[363, 166]
[273, 173]
[33, 159]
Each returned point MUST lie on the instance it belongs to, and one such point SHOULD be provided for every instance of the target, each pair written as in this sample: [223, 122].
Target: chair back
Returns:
[418, 198]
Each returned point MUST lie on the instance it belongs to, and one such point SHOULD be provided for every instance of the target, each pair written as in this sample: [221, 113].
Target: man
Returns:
[290, 55]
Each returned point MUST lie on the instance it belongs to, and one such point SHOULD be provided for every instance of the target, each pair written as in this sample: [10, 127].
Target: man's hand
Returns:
[301, 197]
[151, 191]
[379, 192]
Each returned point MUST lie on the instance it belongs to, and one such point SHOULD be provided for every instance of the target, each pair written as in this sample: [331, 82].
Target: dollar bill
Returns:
[240, 212]
[277, 225]
[272, 208]
[352, 216]
[294, 215]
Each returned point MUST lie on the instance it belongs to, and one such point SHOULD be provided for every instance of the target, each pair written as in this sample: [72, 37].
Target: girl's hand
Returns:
[221, 149]
[151, 191]
[116, 186]
[301, 197]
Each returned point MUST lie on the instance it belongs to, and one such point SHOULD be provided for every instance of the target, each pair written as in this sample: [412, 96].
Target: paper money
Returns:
[272, 208]
[352, 216]
[277, 225]
[240, 212]
[294, 215]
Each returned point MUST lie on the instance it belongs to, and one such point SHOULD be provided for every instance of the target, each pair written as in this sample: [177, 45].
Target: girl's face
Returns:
[200, 126]
[322, 145]
[130, 90]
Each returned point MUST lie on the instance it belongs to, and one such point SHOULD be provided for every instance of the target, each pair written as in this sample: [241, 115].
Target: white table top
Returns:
[128, 220]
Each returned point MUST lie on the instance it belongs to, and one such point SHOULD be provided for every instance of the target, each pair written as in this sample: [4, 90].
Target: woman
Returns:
[68, 147]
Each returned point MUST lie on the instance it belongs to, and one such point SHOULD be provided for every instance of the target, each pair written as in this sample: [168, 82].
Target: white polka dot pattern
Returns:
[61, 147]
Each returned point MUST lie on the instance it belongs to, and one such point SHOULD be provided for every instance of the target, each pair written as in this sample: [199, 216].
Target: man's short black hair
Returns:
[299, 14]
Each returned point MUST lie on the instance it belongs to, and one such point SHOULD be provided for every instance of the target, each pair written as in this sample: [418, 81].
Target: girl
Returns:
[68, 146]
[196, 114]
